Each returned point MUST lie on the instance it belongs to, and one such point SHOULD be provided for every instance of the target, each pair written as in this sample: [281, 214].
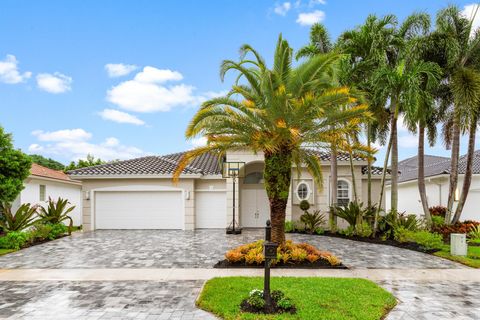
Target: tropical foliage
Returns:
[56, 212]
[14, 168]
[82, 163]
[25, 216]
[280, 111]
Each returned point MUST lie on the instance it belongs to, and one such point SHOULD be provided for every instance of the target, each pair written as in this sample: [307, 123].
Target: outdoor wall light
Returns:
[187, 195]
[87, 195]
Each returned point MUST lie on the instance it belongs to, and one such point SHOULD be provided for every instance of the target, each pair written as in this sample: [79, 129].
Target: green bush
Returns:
[349, 232]
[319, 231]
[401, 234]
[427, 240]
[255, 299]
[289, 226]
[438, 221]
[56, 212]
[23, 218]
[304, 205]
[58, 229]
[312, 220]
[14, 240]
[353, 213]
[394, 220]
[474, 234]
[364, 229]
[41, 231]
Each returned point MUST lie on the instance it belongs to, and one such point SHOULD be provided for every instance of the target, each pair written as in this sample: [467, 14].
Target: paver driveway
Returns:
[195, 249]
[174, 299]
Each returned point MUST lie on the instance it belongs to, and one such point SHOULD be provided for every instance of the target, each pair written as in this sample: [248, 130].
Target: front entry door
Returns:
[254, 207]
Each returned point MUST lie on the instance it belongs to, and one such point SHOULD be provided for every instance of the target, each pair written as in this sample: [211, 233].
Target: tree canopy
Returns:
[47, 162]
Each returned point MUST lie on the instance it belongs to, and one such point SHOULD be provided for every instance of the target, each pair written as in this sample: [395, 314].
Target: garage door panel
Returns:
[139, 210]
[210, 209]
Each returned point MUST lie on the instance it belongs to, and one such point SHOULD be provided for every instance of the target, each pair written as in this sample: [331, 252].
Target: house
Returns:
[437, 176]
[139, 193]
[44, 183]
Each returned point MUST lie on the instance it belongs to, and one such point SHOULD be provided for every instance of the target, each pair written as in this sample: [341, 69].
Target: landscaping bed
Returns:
[289, 255]
[313, 298]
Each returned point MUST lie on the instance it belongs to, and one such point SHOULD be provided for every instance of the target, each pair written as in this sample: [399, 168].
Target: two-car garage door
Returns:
[139, 210]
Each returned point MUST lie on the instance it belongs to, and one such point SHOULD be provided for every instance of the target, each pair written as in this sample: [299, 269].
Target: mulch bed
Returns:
[406, 245]
[319, 264]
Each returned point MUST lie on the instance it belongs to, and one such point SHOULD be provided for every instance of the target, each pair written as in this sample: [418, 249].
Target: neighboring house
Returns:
[437, 176]
[44, 183]
[140, 194]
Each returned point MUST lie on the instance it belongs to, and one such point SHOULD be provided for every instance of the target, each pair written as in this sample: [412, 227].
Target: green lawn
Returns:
[472, 259]
[5, 251]
[315, 298]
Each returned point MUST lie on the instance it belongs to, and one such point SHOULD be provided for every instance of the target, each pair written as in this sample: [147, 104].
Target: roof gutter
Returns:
[132, 176]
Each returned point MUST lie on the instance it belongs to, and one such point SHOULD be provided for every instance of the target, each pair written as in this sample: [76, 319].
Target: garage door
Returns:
[210, 209]
[139, 210]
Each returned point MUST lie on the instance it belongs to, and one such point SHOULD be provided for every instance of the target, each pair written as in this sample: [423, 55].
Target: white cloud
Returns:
[471, 11]
[9, 71]
[149, 91]
[154, 75]
[62, 135]
[54, 83]
[198, 142]
[283, 8]
[307, 19]
[315, 2]
[119, 69]
[75, 144]
[120, 117]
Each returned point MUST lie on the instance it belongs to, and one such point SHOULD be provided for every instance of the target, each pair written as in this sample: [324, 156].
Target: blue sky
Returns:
[121, 79]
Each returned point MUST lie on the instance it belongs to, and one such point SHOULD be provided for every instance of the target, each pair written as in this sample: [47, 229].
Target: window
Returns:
[302, 191]
[343, 193]
[253, 178]
[42, 192]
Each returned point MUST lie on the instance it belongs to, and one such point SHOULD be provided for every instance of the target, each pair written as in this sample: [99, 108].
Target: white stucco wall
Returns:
[437, 195]
[72, 192]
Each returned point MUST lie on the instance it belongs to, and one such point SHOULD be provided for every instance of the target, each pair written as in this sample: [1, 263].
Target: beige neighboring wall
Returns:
[88, 185]
[376, 186]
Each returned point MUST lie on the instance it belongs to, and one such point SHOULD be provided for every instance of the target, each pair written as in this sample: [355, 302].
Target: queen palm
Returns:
[279, 111]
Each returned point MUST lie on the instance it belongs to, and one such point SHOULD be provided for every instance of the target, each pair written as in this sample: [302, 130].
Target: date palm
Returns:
[280, 112]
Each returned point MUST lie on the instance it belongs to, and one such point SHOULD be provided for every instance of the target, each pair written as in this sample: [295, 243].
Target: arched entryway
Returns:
[254, 204]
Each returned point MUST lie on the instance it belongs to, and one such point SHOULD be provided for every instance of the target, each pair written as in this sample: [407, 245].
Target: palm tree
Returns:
[320, 43]
[277, 111]
[463, 83]
[368, 47]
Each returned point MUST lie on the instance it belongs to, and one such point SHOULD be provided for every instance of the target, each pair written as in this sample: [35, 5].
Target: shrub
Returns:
[427, 240]
[319, 230]
[363, 229]
[290, 252]
[58, 229]
[14, 240]
[352, 213]
[23, 218]
[255, 299]
[289, 226]
[401, 234]
[349, 232]
[41, 231]
[57, 212]
[438, 221]
[459, 227]
[304, 205]
[474, 233]
[312, 220]
[438, 211]
[393, 220]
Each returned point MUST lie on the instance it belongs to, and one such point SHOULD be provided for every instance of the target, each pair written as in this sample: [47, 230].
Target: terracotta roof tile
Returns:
[41, 171]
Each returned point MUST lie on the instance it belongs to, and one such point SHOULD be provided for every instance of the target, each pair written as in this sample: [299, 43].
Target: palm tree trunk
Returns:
[467, 179]
[382, 185]
[352, 172]
[333, 187]
[369, 169]
[394, 165]
[277, 175]
[421, 174]
[453, 169]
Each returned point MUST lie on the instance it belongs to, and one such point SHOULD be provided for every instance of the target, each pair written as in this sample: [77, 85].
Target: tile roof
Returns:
[206, 164]
[376, 171]
[435, 165]
[41, 171]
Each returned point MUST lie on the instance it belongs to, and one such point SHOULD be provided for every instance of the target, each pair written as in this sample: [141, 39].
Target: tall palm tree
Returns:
[368, 47]
[320, 43]
[277, 111]
[462, 78]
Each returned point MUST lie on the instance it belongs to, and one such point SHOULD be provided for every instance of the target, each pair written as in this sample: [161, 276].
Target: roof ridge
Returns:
[114, 162]
[173, 162]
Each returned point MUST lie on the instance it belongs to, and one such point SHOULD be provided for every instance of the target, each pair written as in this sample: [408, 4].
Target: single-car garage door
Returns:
[210, 209]
[139, 210]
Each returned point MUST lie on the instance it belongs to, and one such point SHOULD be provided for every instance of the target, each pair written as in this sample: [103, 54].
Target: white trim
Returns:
[309, 192]
[210, 190]
[72, 182]
[350, 191]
